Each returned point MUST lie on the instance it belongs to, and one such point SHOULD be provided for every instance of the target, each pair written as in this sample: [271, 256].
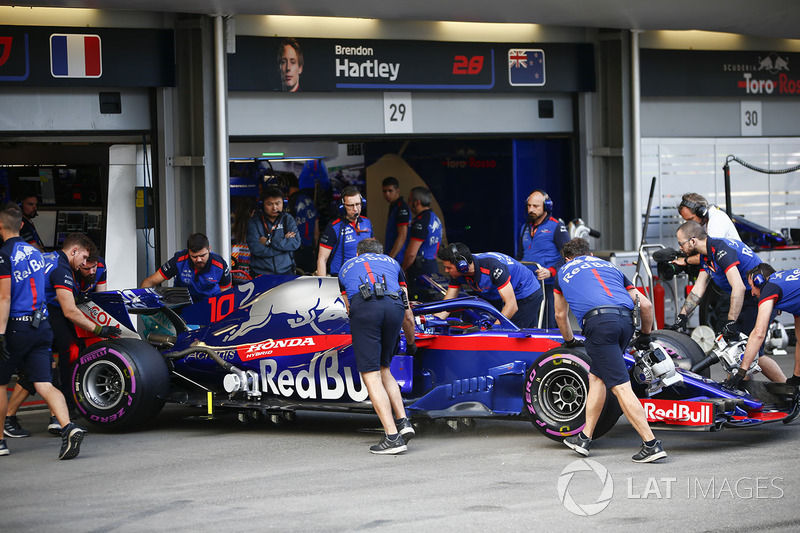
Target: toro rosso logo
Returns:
[678, 413]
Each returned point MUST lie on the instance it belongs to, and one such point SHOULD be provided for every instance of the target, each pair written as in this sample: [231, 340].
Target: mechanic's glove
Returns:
[107, 331]
[680, 324]
[4, 355]
[411, 349]
[574, 343]
[642, 342]
[736, 378]
[730, 331]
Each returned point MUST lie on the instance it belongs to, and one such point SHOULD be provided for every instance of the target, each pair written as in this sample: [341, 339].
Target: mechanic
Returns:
[203, 272]
[716, 222]
[374, 290]
[301, 207]
[91, 278]
[30, 209]
[398, 219]
[726, 262]
[340, 239]
[25, 333]
[602, 299]
[272, 236]
[423, 240]
[540, 242]
[773, 290]
[497, 278]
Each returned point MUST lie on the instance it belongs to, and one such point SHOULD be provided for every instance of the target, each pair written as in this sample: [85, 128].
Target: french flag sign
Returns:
[75, 56]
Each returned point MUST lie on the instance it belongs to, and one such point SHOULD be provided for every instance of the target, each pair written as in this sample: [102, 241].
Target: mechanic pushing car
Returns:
[497, 278]
[603, 300]
[339, 240]
[25, 333]
[726, 262]
[540, 242]
[773, 290]
[197, 268]
[374, 289]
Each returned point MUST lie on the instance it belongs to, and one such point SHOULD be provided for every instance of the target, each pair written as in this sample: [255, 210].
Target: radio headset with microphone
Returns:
[759, 280]
[461, 263]
[697, 209]
[548, 202]
[349, 191]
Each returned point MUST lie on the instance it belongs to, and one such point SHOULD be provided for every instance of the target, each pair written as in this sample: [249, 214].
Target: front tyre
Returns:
[556, 388]
[683, 349]
[119, 384]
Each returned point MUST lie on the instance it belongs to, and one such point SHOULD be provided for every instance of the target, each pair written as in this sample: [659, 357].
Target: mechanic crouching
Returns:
[374, 290]
[602, 299]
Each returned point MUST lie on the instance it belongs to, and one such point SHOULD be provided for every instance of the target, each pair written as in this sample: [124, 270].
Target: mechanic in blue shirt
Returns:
[305, 214]
[398, 220]
[727, 262]
[92, 275]
[502, 281]
[203, 272]
[602, 298]
[540, 242]
[773, 291]
[272, 236]
[374, 289]
[25, 334]
[423, 240]
[28, 233]
[339, 240]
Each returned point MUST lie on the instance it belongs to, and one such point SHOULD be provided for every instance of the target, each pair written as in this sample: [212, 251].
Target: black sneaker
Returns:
[13, 429]
[389, 447]
[71, 438]
[405, 428]
[53, 427]
[648, 454]
[794, 381]
[579, 444]
[3, 447]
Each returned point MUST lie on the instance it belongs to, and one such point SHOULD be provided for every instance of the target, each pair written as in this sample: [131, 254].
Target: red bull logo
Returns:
[678, 412]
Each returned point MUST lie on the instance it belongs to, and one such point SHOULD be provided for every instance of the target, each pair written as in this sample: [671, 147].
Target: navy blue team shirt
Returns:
[783, 288]
[587, 282]
[354, 232]
[24, 265]
[212, 280]
[493, 271]
[371, 268]
[399, 215]
[724, 254]
[542, 244]
[59, 275]
[427, 229]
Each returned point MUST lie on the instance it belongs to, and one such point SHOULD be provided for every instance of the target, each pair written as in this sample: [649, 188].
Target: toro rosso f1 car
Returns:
[276, 345]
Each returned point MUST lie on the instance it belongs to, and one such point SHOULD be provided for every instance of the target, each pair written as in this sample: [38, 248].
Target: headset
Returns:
[548, 203]
[460, 261]
[697, 209]
[350, 189]
[759, 280]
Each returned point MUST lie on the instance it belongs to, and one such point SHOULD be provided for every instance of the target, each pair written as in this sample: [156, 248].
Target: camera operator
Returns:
[726, 262]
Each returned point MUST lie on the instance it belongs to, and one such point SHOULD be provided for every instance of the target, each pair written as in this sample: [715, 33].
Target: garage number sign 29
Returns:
[397, 117]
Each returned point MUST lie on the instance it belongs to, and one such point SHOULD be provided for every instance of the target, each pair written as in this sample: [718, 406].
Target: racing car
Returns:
[278, 345]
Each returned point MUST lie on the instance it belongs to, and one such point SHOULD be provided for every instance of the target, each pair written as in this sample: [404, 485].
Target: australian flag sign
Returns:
[526, 67]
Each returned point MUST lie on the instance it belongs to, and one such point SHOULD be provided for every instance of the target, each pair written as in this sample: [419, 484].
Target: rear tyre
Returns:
[119, 384]
[556, 387]
[682, 348]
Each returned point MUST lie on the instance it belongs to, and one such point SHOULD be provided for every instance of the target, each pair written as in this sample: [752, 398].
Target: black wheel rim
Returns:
[103, 385]
[563, 394]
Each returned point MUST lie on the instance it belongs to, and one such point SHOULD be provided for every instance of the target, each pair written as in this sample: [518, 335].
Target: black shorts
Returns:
[375, 325]
[30, 352]
[607, 338]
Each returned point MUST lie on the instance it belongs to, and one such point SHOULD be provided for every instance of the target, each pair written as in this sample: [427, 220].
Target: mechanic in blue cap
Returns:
[424, 237]
[540, 242]
[773, 291]
[501, 280]
[203, 272]
[398, 220]
[374, 289]
[272, 236]
[602, 299]
[726, 262]
[339, 240]
[25, 334]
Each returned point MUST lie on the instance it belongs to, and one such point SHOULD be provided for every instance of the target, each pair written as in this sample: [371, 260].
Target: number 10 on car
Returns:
[397, 116]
